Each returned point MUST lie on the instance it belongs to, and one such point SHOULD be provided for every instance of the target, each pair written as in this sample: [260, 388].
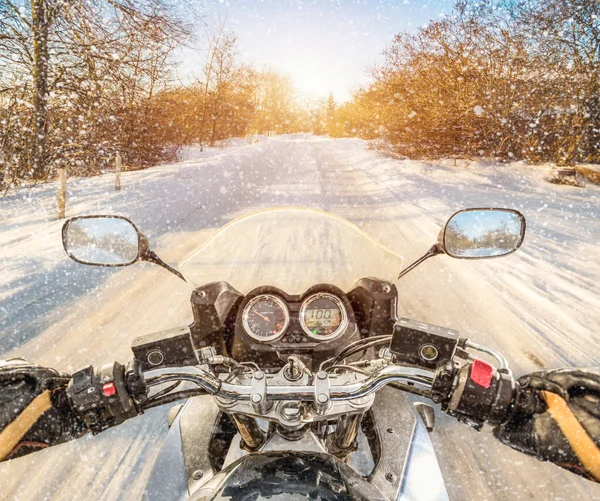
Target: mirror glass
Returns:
[481, 233]
[101, 240]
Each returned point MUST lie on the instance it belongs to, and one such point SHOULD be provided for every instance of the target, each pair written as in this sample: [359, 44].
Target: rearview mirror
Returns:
[108, 241]
[483, 233]
[102, 240]
[477, 234]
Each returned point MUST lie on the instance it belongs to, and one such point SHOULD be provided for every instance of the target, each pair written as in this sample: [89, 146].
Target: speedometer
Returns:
[323, 316]
[265, 317]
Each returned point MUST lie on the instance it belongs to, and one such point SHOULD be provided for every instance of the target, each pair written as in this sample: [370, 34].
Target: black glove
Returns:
[34, 409]
[565, 426]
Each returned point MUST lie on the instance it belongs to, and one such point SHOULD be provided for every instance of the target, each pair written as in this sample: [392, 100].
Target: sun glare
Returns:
[313, 79]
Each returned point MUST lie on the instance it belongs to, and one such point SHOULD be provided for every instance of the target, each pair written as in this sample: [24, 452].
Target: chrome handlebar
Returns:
[362, 388]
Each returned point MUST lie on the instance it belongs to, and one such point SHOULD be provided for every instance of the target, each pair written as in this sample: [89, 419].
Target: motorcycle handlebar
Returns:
[478, 394]
[308, 393]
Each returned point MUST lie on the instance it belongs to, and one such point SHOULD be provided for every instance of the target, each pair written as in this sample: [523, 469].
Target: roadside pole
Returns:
[62, 192]
[118, 172]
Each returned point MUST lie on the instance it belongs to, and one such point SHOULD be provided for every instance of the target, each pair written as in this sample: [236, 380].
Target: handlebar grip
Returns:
[528, 402]
[482, 394]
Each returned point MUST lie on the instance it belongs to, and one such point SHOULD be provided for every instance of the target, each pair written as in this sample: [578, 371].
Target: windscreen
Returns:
[291, 249]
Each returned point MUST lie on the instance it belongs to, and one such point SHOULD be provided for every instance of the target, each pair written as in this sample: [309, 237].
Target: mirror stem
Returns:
[434, 251]
[151, 257]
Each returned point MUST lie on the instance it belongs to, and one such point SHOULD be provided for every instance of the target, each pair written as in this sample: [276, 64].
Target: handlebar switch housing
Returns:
[481, 394]
[101, 397]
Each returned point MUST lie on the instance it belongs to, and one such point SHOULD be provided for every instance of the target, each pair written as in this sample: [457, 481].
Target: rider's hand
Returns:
[34, 411]
[566, 429]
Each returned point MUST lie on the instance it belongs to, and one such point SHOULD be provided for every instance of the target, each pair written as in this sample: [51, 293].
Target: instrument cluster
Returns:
[322, 314]
[267, 325]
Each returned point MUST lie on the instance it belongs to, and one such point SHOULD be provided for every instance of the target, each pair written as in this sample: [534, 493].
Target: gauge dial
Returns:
[323, 316]
[265, 317]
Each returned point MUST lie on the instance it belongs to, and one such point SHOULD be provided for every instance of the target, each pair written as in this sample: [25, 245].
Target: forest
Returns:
[514, 80]
[83, 81]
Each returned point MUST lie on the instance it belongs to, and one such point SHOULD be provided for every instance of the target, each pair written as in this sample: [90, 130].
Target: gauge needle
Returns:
[265, 318]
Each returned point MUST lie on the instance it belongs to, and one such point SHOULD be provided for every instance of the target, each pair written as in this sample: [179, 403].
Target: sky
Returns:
[324, 45]
[475, 224]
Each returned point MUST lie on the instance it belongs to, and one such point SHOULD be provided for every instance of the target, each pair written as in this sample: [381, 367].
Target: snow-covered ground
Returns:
[539, 306]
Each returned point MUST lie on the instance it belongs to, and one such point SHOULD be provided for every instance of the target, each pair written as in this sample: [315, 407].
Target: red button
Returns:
[108, 389]
[482, 373]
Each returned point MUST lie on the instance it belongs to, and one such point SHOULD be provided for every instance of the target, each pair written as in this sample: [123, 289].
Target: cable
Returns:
[360, 342]
[363, 341]
[173, 397]
[250, 363]
[164, 391]
[349, 351]
[234, 373]
[410, 389]
[349, 368]
[362, 352]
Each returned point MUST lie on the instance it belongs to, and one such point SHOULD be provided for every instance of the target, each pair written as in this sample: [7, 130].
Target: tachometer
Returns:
[323, 316]
[265, 317]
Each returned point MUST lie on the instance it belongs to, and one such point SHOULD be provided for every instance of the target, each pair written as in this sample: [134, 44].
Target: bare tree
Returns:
[276, 103]
[497, 78]
[94, 67]
[40, 21]
[213, 47]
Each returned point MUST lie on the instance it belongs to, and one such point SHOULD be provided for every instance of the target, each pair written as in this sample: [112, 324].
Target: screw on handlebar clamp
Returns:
[322, 397]
[258, 393]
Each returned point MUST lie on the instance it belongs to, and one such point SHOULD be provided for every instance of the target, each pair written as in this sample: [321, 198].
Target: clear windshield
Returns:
[292, 249]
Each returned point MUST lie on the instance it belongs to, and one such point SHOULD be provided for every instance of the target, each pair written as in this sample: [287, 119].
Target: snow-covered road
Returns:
[539, 306]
